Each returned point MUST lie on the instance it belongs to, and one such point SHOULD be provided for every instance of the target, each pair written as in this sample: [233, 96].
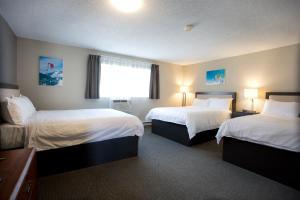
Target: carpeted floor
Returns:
[165, 170]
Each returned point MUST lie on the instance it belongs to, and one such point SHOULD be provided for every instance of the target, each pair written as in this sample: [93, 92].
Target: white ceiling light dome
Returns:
[127, 6]
[188, 28]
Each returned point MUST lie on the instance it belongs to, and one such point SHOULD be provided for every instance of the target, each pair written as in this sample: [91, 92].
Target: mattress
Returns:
[62, 128]
[282, 133]
[194, 118]
[11, 136]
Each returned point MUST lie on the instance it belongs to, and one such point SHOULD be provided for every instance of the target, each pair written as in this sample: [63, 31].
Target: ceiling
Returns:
[223, 28]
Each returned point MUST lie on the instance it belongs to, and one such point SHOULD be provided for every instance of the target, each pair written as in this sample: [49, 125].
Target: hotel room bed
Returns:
[62, 128]
[73, 139]
[266, 144]
[81, 138]
[264, 129]
[190, 125]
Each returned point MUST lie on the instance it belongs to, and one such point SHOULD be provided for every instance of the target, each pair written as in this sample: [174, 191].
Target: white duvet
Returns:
[61, 128]
[272, 131]
[194, 118]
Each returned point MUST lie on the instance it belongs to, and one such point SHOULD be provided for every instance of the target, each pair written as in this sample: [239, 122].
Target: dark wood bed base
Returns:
[179, 133]
[85, 155]
[277, 164]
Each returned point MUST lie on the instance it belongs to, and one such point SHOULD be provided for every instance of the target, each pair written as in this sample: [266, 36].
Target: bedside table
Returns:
[242, 113]
[18, 174]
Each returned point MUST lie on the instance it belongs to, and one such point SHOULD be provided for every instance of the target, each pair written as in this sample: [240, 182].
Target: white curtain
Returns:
[123, 78]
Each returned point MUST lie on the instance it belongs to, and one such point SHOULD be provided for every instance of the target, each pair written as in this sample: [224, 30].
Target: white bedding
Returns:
[196, 119]
[282, 133]
[61, 128]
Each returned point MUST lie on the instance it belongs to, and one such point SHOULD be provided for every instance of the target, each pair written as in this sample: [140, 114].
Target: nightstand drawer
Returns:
[26, 190]
[18, 170]
[29, 186]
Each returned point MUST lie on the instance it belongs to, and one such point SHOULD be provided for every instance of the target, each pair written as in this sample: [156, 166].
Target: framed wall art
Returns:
[51, 71]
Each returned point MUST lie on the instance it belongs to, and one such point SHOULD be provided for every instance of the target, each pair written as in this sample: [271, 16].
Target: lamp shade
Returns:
[251, 93]
[184, 89]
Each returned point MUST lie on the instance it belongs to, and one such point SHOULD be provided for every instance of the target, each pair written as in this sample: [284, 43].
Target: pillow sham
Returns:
[16, 110]
[201, 103]
[220, 103]
[281, 109]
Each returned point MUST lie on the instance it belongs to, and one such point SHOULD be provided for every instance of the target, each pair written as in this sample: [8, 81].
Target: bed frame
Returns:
[179, 133]
[277, 164]
[85, 155]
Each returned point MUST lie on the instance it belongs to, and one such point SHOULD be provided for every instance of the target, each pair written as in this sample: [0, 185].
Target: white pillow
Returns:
[281, 109]
[29, 105]
[18, 109]
[200, 103]
[220, 103]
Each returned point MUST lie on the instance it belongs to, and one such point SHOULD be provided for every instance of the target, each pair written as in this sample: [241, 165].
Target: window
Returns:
[122, 79]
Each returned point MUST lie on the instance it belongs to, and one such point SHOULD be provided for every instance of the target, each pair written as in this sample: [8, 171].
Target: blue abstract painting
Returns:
[215, 77]
[51, 71]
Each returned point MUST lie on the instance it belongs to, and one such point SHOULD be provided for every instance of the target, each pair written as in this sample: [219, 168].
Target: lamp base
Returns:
[249, 111]
[183, 99]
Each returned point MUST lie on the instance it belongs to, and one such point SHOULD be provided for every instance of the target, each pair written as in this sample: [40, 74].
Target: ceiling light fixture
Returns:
[127, 6]
[188, 28]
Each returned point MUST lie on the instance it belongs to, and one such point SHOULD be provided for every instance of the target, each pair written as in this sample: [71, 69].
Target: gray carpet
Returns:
[165, 170]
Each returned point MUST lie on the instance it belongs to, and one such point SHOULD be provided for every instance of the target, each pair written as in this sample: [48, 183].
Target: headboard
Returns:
[284, 96]
[7, 90]
[8, 86]
[220, 95]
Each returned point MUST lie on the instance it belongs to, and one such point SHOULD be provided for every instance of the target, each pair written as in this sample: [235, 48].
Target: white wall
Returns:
[272, 70]
[71, 94]
[8, 54]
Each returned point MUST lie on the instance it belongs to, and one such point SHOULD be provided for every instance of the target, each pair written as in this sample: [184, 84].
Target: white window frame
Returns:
[122, 78]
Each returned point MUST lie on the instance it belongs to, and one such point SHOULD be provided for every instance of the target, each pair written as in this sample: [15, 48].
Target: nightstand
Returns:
[242, 113]
[18, 174]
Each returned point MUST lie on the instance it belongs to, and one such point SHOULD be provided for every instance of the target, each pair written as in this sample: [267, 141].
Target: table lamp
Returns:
[251, 93]
[183, 90]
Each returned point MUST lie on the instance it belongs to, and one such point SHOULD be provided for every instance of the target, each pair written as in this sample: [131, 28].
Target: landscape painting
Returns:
[51, 71]
[215, 77]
